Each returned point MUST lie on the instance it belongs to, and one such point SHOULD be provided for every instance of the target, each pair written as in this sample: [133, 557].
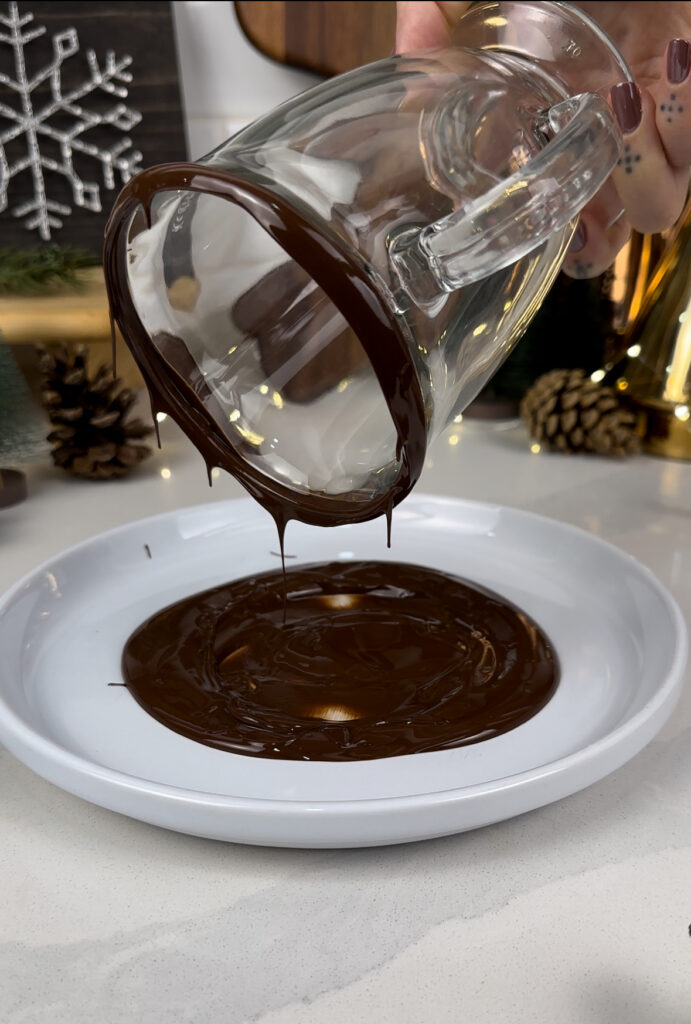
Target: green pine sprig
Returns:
[42, 268]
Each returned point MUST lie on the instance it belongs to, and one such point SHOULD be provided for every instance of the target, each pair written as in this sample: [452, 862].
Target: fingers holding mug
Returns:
[673, 98]
[595, 244]
[653, 191]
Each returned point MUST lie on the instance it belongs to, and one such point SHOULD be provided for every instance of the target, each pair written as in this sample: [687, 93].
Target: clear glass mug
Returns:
[315, 300]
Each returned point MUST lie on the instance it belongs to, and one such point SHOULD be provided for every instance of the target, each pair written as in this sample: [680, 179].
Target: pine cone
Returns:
[91, 437]
[566, 411]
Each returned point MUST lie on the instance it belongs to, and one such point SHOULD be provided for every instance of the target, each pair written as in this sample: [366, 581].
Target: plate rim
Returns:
[662, 700]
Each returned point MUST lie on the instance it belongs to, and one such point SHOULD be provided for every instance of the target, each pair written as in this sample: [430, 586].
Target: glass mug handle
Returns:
[520, 213]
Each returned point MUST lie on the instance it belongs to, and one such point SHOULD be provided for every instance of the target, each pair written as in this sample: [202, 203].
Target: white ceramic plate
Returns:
[619, 636]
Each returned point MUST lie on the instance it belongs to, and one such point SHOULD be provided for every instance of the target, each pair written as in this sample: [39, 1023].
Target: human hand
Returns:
[651, 181]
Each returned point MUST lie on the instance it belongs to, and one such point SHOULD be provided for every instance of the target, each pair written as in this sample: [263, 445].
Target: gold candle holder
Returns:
[655, 373]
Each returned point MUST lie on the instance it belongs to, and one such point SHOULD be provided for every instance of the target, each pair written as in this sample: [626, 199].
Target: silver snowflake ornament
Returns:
[33, 124]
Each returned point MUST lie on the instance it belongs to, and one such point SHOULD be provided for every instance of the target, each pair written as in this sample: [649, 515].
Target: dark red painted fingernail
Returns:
[626, 102]
[678, 61]
[580, 237]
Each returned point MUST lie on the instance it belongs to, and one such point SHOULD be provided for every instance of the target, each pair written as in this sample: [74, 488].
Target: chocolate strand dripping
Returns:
[113, 342]
[157, 430]
[281, 524]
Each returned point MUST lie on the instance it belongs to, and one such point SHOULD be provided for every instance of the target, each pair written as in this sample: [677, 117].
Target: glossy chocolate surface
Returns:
[366, 660]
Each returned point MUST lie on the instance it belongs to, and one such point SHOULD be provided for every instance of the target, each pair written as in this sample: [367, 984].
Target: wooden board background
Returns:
[328, 37]
[143, 30]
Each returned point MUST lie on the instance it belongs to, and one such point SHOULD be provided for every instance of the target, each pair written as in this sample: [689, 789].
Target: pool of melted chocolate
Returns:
[345, 661]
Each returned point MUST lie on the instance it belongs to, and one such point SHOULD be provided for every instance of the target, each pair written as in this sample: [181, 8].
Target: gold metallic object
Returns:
[68, 316]
[656, 372]
[624, 287]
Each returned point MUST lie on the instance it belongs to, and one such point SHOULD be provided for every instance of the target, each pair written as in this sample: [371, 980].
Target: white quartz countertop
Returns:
[574, 914]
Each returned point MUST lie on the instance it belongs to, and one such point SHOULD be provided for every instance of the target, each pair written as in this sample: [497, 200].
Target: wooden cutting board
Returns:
[326, 37]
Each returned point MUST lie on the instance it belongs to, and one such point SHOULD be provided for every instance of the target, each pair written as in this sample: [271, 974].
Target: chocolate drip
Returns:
[389, 522]
[113, 343]
[365, 660]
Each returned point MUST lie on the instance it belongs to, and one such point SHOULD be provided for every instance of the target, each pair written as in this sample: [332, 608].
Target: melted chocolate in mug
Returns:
[372, 660]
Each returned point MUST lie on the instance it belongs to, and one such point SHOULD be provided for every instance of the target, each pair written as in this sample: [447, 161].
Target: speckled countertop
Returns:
[577, 913]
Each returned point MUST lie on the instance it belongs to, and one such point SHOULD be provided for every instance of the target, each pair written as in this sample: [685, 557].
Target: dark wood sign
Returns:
[88, 94]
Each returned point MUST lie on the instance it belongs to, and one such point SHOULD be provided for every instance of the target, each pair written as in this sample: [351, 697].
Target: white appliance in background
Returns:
[225, 81]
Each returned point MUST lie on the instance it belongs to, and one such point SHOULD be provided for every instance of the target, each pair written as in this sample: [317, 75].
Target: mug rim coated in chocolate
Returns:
[352, 291]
